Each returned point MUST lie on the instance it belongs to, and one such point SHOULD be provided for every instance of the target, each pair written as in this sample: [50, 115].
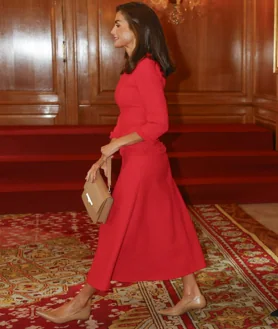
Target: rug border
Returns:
[253, 236]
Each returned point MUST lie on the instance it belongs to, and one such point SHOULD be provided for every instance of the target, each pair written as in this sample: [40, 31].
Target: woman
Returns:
[149, 234]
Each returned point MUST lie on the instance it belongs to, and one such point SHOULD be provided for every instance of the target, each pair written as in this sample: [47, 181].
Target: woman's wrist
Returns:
[117, 141]
[129, 139]
[100, 161]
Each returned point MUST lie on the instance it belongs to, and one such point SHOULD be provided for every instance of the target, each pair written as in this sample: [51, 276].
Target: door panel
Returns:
[31, 62]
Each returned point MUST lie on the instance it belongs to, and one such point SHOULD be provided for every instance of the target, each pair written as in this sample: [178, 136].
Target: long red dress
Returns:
[149, 234]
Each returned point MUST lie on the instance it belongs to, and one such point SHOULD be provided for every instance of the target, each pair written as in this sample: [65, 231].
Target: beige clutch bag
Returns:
[97, 197]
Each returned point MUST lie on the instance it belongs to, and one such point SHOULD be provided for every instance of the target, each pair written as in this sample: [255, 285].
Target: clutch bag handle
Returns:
[109, 170]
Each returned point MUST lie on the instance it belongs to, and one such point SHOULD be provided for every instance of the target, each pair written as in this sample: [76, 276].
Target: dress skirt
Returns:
[149, 234]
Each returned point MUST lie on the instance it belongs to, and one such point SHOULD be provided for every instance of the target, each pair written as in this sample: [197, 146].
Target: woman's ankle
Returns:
[80, 302]
[191, 294]
[84, 296]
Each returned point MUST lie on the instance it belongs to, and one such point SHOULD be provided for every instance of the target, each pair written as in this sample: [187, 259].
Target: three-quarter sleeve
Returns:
[150, 84]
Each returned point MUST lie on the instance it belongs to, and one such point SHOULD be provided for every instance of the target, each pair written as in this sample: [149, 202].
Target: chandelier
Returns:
[176, 9]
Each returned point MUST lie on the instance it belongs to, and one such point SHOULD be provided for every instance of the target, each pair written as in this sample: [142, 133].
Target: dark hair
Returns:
[150, 39]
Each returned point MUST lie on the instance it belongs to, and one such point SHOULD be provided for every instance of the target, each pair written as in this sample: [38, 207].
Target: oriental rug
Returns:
[44, 259]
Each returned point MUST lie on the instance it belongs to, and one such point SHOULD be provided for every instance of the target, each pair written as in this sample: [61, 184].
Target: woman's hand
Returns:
[107, 151]
[92, 173]
[100, 164]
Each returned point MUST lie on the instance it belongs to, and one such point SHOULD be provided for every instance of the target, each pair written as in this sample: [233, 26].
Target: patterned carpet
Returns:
[268, 237]
[44, 259]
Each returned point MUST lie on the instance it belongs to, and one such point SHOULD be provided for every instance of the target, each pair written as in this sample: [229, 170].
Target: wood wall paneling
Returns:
[209, 51]
[70, 66]
[265, 117]
[26, 46]
[103, 114]
[83, 52]
[265, 81]
[99, 63]
[31, 85]
[210, 114]
[28, 114]
[59, 66]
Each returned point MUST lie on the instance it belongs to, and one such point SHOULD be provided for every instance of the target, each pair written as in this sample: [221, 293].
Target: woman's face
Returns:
[123, 36]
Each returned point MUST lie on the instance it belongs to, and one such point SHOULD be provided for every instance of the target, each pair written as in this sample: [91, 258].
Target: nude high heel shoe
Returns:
[182, 307]
[58, 316]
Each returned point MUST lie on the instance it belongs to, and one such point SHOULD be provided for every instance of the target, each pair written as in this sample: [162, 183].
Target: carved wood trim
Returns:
[107, 114]
[70, 63]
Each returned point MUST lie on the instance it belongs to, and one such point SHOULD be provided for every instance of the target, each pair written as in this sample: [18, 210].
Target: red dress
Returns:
[149, 234]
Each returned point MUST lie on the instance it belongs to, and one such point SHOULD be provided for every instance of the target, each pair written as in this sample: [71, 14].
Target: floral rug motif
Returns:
[44, 259]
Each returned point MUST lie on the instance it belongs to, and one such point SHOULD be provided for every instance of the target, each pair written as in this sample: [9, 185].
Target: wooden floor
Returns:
[261, 225]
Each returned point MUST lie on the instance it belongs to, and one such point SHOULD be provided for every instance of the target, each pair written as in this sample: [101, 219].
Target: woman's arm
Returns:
[129, 139]
[117, 143]
[150, 84]
[100, 163]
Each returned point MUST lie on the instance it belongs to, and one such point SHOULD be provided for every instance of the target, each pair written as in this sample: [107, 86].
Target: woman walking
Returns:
[149, 234]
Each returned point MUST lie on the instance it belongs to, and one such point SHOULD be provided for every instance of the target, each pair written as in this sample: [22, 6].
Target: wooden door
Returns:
[32, 62]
